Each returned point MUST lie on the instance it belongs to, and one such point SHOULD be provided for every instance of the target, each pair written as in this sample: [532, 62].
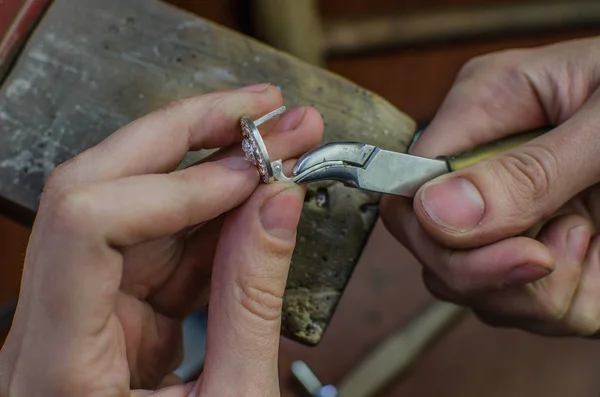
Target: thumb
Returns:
[250, 272]
[506, 195]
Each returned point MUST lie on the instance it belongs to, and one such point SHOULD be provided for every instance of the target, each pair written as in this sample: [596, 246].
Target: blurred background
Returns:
[408, 51]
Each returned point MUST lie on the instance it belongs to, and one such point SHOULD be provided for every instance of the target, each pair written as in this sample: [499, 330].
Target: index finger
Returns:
[480, 109]
[158, 142]
[510, 92]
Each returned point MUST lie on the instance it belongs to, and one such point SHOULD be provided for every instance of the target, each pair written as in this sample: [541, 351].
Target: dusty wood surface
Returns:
[94, 65]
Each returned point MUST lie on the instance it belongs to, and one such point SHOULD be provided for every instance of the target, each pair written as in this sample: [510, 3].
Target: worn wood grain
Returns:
[94, 65]
[353, 35]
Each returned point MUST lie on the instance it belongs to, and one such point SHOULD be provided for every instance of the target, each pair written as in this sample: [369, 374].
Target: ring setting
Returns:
[253, 145]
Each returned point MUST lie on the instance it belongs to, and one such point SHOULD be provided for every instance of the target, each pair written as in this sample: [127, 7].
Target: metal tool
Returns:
[371, 168]
[309, 381]
[253, 145]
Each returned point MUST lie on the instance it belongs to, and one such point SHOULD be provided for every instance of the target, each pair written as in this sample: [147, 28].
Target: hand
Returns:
[124, 248]
[513, 237]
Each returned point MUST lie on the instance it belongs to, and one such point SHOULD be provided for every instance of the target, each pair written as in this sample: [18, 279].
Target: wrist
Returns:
[4, 376]
[7, 365]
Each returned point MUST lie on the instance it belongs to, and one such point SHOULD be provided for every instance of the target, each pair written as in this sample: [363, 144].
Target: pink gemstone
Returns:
[248, 149]
[245, 129]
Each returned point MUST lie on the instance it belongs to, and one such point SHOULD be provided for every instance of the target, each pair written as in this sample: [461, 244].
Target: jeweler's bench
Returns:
[91, 66]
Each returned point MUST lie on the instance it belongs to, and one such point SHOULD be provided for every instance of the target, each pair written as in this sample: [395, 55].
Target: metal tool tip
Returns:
[306, 377]
[269, 116]
[328, 391]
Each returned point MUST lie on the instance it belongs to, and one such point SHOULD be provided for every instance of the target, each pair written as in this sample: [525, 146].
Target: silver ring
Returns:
[253, 145]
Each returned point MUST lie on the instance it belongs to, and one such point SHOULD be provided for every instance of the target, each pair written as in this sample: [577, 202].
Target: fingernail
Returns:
[253, 88]
[281, 213]
[526, 274]
[235, 163]
[455, 203]
[290, 120]
[414, 140]
[577, 243]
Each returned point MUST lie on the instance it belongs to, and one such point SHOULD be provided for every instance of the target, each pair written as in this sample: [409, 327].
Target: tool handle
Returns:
[396, 355]
[465, 159]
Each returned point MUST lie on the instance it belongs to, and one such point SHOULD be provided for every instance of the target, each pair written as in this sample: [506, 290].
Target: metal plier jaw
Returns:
[365, 167]
[336, 161]
[371, 168]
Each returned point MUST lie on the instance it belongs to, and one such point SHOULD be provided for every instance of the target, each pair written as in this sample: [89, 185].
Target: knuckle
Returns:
[584, 324]
[553, 298]
[473, 66]
[194, 102]
[462, 283]
[510, 83]
[59, 176]
[553, 310]
[73, 208]
[177, 104]
[504, 62]
[271, 97]
[440, 289]
[583, 317]
[530, 175]
[279, 250]
[552, 306]
[455, 282]
[458, 286]
[55, 178]
[260, 297]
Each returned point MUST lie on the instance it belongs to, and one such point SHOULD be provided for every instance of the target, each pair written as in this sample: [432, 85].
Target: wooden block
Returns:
[94, 65]
[17, 19]
[351, 36]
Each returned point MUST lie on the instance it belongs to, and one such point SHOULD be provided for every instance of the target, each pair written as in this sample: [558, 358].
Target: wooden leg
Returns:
[400, 351]
[293, 26]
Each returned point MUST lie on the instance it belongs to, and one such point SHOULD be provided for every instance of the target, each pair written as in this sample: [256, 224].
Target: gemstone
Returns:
[252, 149]
[249, 151]
[245, 129]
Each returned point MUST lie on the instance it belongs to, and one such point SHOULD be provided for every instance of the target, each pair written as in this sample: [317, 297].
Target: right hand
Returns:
[513, 237]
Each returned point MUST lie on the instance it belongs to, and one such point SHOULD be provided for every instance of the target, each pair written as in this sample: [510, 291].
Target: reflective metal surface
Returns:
[365, 167]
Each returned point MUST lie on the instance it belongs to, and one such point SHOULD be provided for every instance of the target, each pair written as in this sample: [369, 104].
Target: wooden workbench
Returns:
[386, 291]
[92, 66]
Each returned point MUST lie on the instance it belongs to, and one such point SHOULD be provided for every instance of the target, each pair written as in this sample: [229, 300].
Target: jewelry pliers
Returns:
[367, 167]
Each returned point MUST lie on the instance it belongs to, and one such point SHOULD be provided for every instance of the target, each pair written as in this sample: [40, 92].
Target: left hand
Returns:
[515, 237]
[124, 246]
